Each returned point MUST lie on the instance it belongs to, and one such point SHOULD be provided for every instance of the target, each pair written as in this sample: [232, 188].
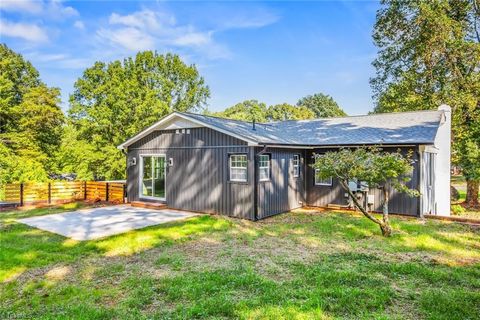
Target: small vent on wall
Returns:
[182, 131]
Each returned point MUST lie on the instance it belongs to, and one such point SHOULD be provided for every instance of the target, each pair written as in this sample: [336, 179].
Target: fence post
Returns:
[85, 190]
[49, 193]
[21, 194]
[124, 193]
[106, 191]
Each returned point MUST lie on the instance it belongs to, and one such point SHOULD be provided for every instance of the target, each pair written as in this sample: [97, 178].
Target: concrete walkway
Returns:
[88, 224]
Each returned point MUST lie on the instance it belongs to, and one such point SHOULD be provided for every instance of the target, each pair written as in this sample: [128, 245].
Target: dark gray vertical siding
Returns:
[198, 179]
[283, 192]
[401, 202]
[323, 195]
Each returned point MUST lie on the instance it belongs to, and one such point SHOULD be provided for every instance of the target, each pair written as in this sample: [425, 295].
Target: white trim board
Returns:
[140, 178]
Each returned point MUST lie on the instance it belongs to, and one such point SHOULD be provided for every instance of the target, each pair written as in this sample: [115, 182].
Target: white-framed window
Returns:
[238, 167]
[264, 167]
[322, 181]
[296, 165]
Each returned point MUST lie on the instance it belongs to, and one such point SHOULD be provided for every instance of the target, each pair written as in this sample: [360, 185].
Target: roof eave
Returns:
[153, 127]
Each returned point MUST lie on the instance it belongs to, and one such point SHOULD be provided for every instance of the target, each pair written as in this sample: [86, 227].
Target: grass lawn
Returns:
[299, 265]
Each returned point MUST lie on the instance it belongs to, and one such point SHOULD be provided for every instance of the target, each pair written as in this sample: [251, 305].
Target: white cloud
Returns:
[147, 29]
[52, 8]
[30, 32]
[193, 39]
[56, 9]
[251, 19]
[142, 20]
[129, 38]
[29, 6]
[79, 24]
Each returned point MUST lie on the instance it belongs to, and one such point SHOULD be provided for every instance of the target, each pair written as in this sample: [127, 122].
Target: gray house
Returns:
[253, 171]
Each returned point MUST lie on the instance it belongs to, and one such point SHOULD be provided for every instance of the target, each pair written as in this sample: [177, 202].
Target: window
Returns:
[264, 167]
[322, 181]
[238, 167]
[296, 165]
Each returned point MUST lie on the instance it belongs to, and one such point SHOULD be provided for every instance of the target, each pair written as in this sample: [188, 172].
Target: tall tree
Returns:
[323, 106]
[247, 110]
[429, 54]
[114, 101]
[30, 121]
[17, 77]
[286, 111]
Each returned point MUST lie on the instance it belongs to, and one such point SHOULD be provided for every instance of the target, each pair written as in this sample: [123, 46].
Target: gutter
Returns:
[324, 146]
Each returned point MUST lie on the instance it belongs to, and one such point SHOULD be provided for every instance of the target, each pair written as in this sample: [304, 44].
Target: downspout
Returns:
[255, 182]
[305, 179]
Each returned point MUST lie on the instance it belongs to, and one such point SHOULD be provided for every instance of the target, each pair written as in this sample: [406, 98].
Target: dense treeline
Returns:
[318, 105]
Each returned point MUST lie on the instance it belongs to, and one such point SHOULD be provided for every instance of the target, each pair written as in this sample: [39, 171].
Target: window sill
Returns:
[238, 182]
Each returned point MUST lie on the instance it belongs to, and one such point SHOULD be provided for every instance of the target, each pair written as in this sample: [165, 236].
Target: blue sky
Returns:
[274, 52]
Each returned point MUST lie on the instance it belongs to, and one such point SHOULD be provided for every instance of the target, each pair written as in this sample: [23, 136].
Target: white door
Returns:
[428, 189]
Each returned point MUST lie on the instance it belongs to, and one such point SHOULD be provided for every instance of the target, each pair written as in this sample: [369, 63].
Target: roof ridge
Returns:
[356, 116]
[311, 120]
[215, 117]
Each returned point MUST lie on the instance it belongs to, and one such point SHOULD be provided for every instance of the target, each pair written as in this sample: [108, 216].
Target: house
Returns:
[256, 170]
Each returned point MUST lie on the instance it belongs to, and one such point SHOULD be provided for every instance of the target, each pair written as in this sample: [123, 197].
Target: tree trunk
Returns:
[472, 193]
[384, 225]
[386, 228]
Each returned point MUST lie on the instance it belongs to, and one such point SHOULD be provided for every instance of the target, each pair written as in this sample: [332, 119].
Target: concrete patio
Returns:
[89, 224]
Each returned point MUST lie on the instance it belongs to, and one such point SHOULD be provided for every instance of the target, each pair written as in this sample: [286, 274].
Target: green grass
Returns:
[300, 265]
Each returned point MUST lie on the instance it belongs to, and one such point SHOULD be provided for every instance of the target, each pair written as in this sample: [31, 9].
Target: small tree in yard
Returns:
[387, 171]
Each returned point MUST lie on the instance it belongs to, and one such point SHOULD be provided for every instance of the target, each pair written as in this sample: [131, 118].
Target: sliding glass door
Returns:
[152, 184]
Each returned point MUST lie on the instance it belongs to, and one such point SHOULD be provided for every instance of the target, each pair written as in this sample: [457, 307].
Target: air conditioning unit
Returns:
[371, 199]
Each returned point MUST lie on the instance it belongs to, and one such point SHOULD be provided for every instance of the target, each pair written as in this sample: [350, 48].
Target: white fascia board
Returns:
[250, 142]
[145, 132]
[166, 119]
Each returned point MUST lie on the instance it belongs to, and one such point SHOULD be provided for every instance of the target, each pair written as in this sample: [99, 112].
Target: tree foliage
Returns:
[30, 121]
[384, 170]
[286, 111]
[247, 110]
[114, 101]
[323, 106]
[310, 107]
[429, 54]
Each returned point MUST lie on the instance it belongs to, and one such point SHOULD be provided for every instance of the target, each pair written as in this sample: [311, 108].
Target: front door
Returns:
[153, 172]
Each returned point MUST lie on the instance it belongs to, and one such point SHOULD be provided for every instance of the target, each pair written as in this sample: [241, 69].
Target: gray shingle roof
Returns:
[418, 127]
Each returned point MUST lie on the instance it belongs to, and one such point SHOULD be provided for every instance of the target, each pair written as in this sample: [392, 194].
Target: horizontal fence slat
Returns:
[44, 192]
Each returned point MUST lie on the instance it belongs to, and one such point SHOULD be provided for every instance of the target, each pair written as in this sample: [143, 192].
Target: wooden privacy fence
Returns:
[63, 191]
